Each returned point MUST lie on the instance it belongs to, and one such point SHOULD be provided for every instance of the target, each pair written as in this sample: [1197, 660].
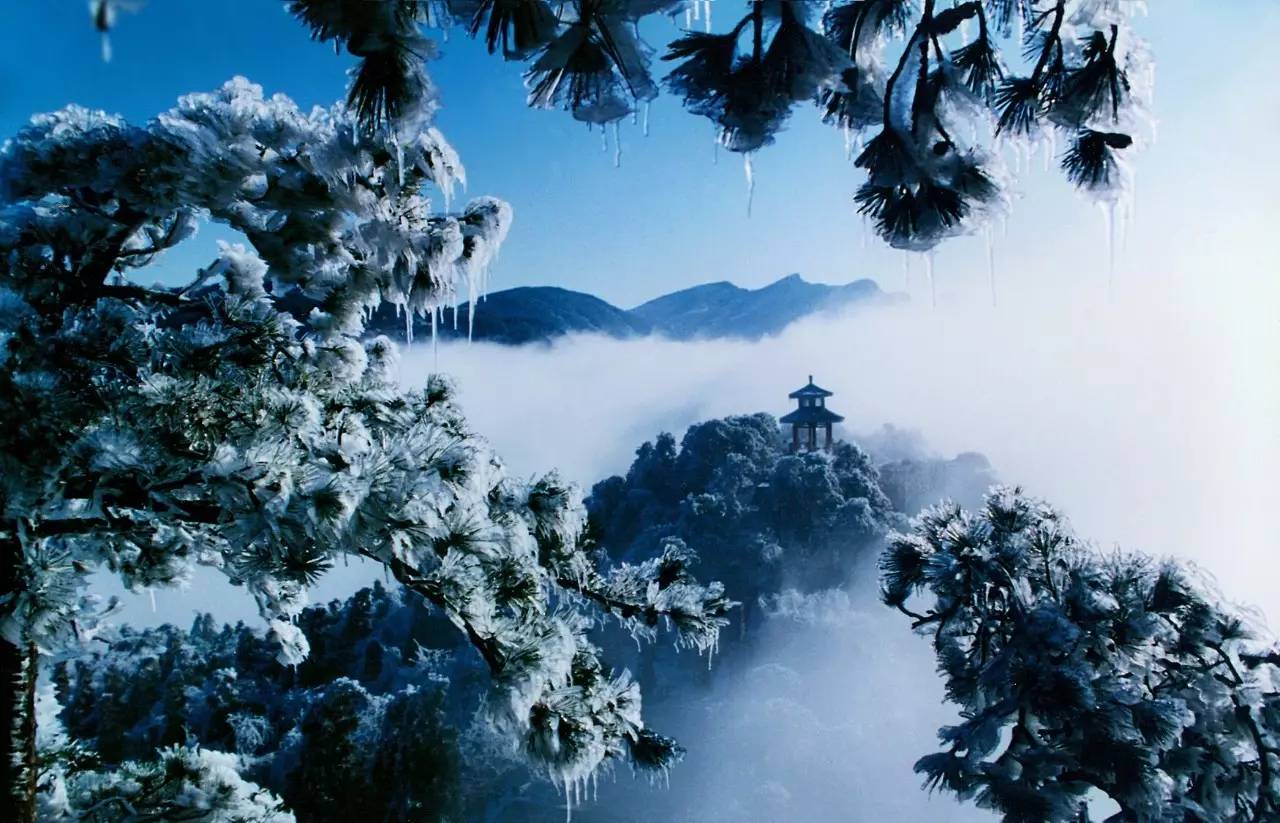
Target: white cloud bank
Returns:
[1152, 423]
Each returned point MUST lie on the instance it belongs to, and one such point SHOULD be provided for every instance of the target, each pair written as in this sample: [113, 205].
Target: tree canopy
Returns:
[1077, 671]
[147, 429]
[756, 515]
[370, 720]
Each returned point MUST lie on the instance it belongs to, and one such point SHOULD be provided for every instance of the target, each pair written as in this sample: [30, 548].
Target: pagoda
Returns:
[810, 416]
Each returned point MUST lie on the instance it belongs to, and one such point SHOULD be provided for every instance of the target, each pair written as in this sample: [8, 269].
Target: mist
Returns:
[1147, 420]
[1147, 416]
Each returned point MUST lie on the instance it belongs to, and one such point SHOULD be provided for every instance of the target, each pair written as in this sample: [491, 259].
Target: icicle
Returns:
[471, 309]
[435, 348]
[151, 592]
[848, 142]
[715, 150]
[604, 138]
[906, 271]
[991, 261]
[617, 146]
[1109, 218]
[706, 14]
[646, 118]
[106, 47]
[399, 157]
[928, 270]
[455, 313]
[1133, 201]
[688, 16]
[408, 325]
[751, 179]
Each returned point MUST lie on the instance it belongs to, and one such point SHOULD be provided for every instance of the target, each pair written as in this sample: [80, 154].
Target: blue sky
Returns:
[1190, 330]
[670, 217]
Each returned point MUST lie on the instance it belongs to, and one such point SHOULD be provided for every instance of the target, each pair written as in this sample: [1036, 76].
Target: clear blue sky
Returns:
[668, 217]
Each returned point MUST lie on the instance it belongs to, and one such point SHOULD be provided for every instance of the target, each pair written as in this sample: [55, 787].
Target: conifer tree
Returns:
[146, 429]
[1076, 671]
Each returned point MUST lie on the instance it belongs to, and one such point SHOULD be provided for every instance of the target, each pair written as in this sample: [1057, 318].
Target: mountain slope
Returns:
[532, 314]
[538, 314]
[719, 310]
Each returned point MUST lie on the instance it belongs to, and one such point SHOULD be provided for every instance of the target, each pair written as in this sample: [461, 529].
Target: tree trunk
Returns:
[18, 767]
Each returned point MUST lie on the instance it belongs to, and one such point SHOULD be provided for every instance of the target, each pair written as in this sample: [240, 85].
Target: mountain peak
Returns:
[727, 310]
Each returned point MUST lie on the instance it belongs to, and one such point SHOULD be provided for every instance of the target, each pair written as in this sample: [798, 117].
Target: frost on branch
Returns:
[749, 96]
[348, 221]
[938, 89]
[183, 783]
[147, 429]
[1079, 671]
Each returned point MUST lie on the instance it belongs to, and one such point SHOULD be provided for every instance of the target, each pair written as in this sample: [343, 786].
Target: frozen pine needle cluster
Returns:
[933, 92]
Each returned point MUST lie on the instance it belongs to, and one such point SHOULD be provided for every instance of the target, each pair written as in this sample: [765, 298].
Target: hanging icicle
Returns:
[933, 286]
[104, 16]
[750, 172]
[471, 310]
[646, 118]
[435, 347]
[617, 146]
[1109, 219]
[989, 238]
[399, 156]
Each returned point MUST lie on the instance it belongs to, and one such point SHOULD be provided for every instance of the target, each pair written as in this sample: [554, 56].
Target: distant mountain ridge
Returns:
[723, 310]
[539, 314]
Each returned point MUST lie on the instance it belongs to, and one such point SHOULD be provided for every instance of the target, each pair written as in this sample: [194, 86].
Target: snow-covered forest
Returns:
[266, 560]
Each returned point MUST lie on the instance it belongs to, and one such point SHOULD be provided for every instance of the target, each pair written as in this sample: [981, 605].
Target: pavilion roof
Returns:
[807, 415]
[809, 390]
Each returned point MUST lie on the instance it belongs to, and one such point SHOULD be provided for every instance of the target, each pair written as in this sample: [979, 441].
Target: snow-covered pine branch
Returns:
[1077, 671]
[150, 429]
[931, 90]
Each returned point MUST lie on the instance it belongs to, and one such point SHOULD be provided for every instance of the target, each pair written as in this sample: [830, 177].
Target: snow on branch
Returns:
[933, 90]
[147, 430]
[1077, 671]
